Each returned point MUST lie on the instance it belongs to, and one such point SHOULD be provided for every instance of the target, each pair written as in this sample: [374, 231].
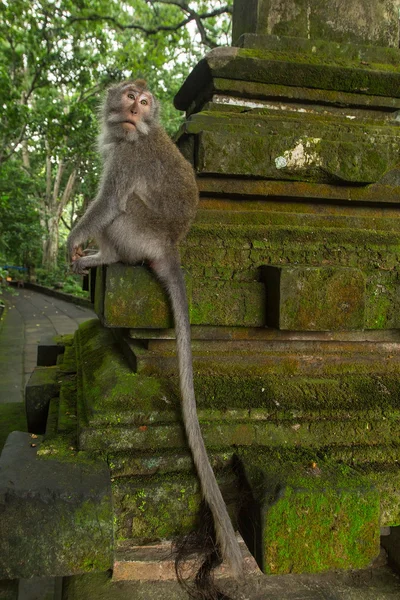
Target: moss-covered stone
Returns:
[134, 298]
[295, 146]
[99, 291]
[298, 69]
[383, 300]
[67, 410]
[159, 507]
[315, 299]
[68, 362]
[308, 516]
[315, 194]
[64, 507]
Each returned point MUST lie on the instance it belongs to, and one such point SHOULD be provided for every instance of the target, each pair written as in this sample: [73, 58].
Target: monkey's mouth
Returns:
[129, 123]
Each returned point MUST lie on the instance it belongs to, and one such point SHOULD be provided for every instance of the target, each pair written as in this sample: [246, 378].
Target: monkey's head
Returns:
[130, 110]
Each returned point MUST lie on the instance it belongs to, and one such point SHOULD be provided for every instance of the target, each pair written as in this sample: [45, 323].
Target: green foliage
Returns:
[56, 59]
[59, 278]
[20, 230]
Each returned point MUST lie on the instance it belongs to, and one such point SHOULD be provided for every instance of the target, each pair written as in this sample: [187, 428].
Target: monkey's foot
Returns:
[79, 267]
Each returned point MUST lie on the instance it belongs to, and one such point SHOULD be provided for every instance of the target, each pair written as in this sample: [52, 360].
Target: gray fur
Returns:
[146, 202]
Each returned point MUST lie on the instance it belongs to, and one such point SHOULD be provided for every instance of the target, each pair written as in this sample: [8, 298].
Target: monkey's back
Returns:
[165, 196]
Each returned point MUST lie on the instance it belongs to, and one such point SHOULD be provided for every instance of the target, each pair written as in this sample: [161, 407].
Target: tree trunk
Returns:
[53, 212]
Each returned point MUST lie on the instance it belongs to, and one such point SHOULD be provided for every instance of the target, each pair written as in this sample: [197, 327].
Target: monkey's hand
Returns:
[76, 253]
[74, 244]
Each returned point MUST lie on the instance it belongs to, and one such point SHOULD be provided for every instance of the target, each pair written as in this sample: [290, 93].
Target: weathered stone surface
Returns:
[155, 563]
[242, 95]
[312, 298]
[39, 587]
[134, 298]
[356, 21]
[313, 193]
[300, 146]
[306, 515]
[373, 583]
[299, 69]
[160, 507]
[134, 294]
[43, 385]
[56, 517]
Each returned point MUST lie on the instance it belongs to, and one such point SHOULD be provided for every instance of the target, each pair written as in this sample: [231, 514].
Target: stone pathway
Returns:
[31, 319]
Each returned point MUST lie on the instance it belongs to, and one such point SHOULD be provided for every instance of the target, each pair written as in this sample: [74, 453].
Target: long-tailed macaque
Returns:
[146, 202]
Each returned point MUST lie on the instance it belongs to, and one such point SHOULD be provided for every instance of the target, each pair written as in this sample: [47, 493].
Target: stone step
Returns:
[317, 434]
[48, 506]
[142, 464]
[333, 296]
[162, 507]
[155, 562]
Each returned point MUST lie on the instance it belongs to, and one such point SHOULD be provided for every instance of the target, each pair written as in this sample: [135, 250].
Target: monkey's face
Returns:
[130, 109]
[136, 106]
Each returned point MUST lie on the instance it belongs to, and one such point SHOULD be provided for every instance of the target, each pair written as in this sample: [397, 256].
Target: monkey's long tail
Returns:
[170, 273]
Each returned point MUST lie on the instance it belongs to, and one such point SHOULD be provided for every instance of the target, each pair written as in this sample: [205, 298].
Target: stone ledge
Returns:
[155, 562]
[56, 517]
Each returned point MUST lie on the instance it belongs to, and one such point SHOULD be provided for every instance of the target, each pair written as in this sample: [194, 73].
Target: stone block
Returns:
[43, 385]
[56, 516]
[154, 562]
[307, 516]
[288, 146]
[98, 292]
[356, 21]
[382, 310]
[134, 298]
[160, 507]
[315, 298]
[345, 74]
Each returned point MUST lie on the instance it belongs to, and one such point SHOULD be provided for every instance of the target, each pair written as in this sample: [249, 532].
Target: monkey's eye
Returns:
[144, 102]
[131, 96]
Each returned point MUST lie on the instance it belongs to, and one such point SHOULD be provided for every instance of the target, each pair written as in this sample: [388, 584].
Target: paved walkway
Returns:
[31, 319]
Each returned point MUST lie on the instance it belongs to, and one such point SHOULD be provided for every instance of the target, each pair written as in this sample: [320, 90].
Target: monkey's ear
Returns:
[141, 83]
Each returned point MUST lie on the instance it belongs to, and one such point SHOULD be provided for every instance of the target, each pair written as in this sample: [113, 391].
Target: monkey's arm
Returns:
[100, 213]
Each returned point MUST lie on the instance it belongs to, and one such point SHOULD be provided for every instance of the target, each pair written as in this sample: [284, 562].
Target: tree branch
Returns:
[192, 16]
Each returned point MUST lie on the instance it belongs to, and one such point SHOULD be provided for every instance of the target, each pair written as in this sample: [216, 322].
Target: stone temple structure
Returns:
[293, 281]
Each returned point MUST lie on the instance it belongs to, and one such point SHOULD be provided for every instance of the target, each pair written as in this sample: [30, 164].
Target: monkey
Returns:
[145, 204]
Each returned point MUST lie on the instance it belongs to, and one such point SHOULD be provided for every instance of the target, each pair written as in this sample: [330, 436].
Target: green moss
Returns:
[158, 507]
[68, 363]
[111, 391]
[67, 413]
[64, 340]
[313, 516]
[310, 70]
[383, 300]
[319, 299]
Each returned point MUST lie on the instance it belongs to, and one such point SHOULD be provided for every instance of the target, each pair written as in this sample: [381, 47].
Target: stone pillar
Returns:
[353, 21]
[295, 137]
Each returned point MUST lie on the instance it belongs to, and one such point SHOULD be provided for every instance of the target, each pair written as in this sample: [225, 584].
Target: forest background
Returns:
[56, 59]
